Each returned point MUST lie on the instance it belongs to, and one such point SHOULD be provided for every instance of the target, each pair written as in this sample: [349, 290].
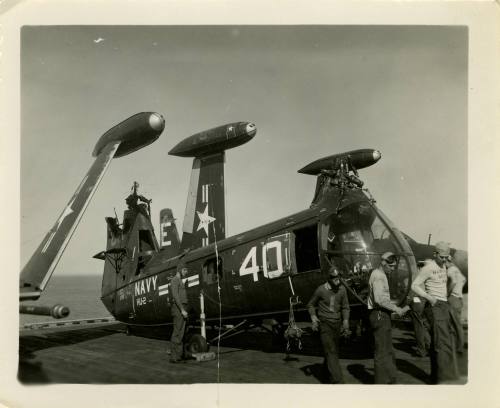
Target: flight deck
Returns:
[102, 353]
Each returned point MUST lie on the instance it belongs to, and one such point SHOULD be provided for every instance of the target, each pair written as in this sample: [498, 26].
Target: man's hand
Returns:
[402, 311]
[345, 324]
[184, 314]
[432, 300]
[346, 332]
[315, 323]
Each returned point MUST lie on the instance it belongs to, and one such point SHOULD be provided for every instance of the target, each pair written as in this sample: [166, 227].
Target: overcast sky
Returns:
[312, 91]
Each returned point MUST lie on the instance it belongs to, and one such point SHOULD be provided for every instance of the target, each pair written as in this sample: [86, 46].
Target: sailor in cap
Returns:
[380, 308]
[433, 276]
[329, 311]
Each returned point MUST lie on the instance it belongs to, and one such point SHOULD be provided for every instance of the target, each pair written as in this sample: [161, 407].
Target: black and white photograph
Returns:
[248, 203]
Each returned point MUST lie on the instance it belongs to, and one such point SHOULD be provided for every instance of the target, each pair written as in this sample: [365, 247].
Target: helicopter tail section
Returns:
[204, 218]
[169, 236]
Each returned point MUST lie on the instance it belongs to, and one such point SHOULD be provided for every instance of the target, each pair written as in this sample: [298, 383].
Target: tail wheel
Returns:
[196, 344]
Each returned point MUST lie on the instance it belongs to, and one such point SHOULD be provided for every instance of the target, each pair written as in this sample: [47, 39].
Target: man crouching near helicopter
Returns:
[380, 308]
[332, 319]
[179, 314]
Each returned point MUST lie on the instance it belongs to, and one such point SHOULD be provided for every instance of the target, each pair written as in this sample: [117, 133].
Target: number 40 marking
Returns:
[249, 265]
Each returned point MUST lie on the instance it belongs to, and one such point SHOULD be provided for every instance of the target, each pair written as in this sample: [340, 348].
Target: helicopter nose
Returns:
[157, 122]
[251, 129]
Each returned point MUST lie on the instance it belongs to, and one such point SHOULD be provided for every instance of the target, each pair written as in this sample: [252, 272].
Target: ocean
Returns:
[81, 294]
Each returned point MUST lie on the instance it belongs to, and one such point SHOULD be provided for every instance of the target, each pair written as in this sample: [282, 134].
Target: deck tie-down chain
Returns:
[293, 332]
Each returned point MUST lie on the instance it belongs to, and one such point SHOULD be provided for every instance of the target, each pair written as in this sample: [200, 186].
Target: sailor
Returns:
[332, 320]
[434, 278]
[179, 313]
[380, 308]
[133, 199]
[456, 282]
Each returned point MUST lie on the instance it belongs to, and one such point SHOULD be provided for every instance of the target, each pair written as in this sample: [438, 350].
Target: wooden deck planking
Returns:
[104, 354]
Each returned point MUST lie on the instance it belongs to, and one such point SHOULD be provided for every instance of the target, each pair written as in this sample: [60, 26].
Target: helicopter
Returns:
[265, 273]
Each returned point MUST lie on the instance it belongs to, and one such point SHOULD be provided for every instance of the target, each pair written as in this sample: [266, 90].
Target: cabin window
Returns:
[127, 221]
[146, 249]
[306, 248]
[209, 271]
[146, 242]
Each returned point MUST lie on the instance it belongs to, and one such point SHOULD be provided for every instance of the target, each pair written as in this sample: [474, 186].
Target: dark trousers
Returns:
[384, 360]
[442, 350]
[177, 333]
[420, 326]
[456, 305]
[330, 339]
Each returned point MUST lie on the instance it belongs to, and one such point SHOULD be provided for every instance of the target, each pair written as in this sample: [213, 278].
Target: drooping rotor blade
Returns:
[130, 135]
[42, 263]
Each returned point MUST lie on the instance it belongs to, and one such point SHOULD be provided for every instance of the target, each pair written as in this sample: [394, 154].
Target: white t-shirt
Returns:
[434, 279]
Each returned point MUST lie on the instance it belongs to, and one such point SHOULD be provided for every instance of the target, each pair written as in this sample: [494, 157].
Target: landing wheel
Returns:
[196, 343]
[127, 330]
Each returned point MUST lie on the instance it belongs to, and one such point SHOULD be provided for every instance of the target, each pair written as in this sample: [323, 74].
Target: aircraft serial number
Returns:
[141, 301]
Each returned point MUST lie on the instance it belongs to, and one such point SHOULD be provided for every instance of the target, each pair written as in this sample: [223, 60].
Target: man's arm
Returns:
[422, 276]
[311, 307]
[381, 299]
[345, 309]
[452, 280]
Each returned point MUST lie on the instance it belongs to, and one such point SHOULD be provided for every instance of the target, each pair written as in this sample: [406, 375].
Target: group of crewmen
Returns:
[435, 308]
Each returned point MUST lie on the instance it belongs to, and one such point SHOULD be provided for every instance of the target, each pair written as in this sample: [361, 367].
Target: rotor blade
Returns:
[38, 270]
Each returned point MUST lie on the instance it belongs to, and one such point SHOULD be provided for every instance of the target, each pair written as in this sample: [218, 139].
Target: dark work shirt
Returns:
[178, 292]
[331, 305]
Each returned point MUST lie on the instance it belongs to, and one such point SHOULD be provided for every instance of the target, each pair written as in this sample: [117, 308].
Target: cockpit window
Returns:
[355, 238]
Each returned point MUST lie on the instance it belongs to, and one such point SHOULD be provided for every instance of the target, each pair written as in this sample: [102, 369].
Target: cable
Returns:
[220, 305]
[220, 310]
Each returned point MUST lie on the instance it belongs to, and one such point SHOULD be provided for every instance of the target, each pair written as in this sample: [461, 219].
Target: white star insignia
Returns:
[205, 220]
[67, 211]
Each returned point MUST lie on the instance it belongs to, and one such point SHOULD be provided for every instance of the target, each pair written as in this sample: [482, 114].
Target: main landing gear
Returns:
[194, 344]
